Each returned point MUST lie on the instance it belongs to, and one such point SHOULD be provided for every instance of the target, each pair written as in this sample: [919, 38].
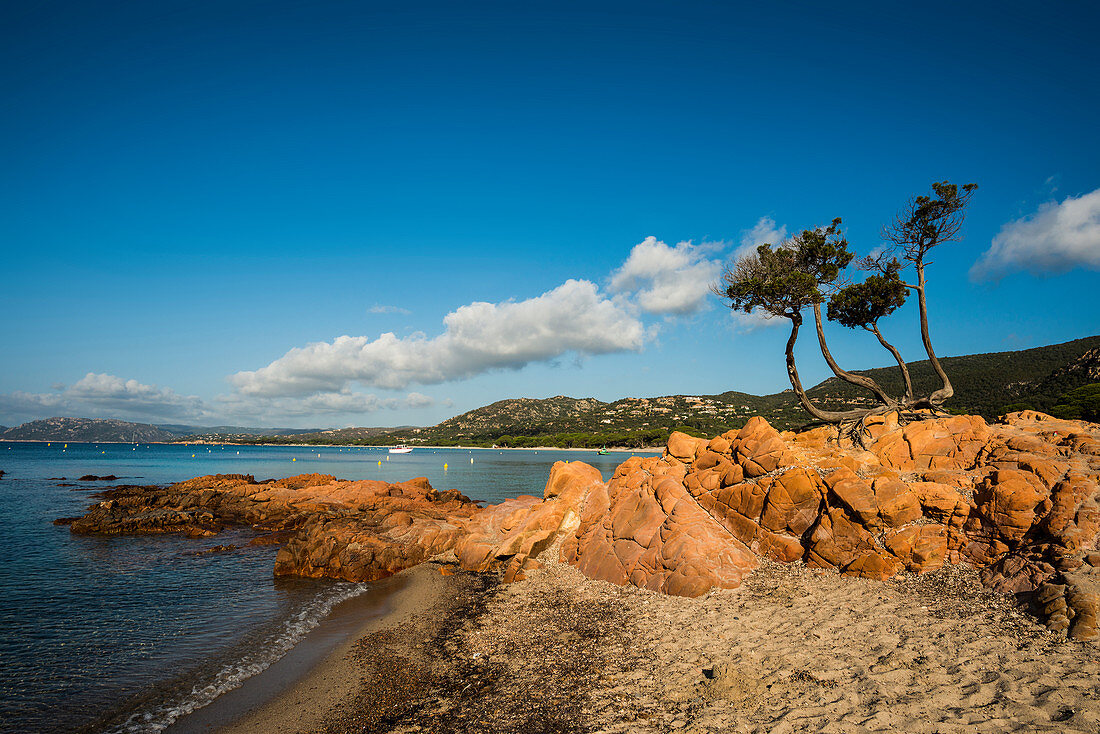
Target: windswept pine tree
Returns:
[808, 270]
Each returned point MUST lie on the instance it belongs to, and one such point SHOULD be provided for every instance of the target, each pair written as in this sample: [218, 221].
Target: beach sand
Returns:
[791, 650]
[422, 598]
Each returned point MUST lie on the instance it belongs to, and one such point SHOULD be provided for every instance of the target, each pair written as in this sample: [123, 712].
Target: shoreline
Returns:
[300, 695]
[610, 450]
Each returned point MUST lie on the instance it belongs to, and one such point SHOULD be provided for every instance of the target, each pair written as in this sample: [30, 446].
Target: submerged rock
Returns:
[1018, 500]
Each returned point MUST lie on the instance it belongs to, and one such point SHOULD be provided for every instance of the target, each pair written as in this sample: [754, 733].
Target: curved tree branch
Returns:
[858, 380]
[935, 399]
[828, 416]
[873, 328]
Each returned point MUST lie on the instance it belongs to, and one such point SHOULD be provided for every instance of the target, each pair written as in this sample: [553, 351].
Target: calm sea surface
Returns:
[128, 634]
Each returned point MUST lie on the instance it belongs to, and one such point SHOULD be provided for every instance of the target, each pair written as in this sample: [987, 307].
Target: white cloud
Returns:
[378, 308]
[108, 396]
[103, 395]
[1055, 239]
[764, 232]
[419, 400]
[477, 338]
[743, 322]
[668, 280]
[319, 403]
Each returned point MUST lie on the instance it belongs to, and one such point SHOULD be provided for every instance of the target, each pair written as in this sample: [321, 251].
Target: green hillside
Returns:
[990, 384]
[985, 384]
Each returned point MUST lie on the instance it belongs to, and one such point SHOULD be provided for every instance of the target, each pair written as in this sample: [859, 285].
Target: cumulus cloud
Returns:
[477, 338]
[104, 395]
[107, 396]
[1056, 238]
[668, 280]
[763, 232]
[321, 403]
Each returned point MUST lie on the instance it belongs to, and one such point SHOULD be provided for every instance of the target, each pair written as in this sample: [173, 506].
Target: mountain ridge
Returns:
[988, 384]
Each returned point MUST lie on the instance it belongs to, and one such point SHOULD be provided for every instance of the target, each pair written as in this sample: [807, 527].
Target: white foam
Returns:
[262, 655]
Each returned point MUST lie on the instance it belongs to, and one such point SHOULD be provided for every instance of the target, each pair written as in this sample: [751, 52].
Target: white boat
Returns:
[401, 449]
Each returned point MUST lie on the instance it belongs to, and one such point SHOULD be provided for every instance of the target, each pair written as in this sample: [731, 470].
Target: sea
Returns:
[129, 634]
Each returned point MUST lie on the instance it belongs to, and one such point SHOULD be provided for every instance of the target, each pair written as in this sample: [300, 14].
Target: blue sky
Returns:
[195, 193]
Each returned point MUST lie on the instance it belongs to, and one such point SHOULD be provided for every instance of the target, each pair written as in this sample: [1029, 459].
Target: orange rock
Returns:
[872, 566]
[941, 502]
[719, 445]
[854, 494]
[699, 516]
[837, 541]
[1012, 501]
[683, 446]
[793, 502]
[897, 505]
[921, 548]
[759, 449]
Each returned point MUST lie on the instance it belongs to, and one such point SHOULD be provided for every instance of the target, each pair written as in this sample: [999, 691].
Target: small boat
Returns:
[401, 449]
[602, 451]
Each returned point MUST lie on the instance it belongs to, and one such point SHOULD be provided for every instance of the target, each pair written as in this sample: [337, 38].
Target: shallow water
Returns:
[129, 633]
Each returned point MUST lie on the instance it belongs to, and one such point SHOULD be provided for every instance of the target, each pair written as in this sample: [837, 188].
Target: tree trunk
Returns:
[828, 416]
[935, 399]
[901, 362]
[858, 380]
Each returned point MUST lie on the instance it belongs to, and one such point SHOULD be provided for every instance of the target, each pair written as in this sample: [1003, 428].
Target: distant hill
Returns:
[86, 429]
[342, 436]
[990, 384]
[110, 430]
[208, 431]
[985, 384]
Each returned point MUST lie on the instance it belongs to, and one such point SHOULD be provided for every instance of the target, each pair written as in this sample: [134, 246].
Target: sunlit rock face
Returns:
[1016, 499]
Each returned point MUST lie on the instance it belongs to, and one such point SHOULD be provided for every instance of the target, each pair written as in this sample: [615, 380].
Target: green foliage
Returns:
[822, 253]
[1082, 403]
[789, 278]
[985, 384]
[863, 304]
[578, 440]
[928, 221]
[770, 280]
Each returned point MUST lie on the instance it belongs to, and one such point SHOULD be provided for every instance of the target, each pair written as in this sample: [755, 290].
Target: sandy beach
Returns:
[422, 598]
[793, 649]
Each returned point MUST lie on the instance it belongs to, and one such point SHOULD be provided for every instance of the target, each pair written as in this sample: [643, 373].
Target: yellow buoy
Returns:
[379, 462]
[192, 456]
[293, 459]
[444, 467]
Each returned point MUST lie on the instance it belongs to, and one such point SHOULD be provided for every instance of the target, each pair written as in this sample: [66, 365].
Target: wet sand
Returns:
[304, 689]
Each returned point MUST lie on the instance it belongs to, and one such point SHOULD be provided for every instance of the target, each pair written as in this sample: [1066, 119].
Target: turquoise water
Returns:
[127, 634]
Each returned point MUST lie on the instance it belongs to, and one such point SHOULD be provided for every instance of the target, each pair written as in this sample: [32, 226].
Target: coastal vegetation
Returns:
[808, 270]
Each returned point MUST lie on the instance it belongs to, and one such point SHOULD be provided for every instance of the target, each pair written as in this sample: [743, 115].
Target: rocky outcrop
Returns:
[1017, 499]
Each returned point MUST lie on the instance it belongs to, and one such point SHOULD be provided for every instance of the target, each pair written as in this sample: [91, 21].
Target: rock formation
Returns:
[1016, 499]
